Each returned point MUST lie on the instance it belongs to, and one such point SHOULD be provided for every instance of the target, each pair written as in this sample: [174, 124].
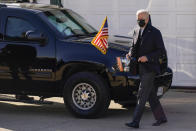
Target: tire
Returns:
[86, 95]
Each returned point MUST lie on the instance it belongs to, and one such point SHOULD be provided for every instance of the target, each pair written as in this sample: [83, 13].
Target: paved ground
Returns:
[180, 107]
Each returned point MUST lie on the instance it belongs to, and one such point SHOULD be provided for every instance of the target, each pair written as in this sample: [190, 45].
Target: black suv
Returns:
[45, 51]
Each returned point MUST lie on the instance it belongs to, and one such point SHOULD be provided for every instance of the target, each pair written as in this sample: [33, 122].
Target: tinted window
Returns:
[16, 28]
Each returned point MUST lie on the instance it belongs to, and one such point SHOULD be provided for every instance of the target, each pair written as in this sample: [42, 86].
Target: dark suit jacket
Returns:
[152, 47]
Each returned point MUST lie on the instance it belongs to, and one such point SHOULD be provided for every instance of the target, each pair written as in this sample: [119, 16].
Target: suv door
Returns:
[6, 81]
[30, 64]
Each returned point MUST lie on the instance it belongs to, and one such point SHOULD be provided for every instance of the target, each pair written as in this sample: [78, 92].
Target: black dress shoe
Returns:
[159, 122]
[132, 124]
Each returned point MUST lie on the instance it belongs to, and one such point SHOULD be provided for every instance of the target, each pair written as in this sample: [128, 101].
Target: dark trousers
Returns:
[147, 93]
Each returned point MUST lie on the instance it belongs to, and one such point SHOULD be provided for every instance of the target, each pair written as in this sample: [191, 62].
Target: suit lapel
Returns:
[136, 34]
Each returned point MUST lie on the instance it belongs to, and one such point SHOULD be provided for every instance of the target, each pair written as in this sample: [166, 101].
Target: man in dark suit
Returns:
[147, 47]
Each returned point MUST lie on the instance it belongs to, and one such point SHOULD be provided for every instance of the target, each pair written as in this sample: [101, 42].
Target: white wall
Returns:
[175, 18]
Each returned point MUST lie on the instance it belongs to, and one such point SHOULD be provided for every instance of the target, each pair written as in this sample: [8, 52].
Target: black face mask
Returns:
[141, 23]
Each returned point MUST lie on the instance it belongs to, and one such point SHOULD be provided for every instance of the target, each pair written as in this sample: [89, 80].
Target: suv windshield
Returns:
[69, 23]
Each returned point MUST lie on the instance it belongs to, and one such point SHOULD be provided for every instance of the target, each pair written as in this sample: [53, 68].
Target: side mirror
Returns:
[36, 37]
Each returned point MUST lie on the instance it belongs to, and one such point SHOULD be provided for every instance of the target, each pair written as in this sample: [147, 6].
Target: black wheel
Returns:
[86, 95]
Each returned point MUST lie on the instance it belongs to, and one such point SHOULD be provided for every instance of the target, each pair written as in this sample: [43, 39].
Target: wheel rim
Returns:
[84, 96]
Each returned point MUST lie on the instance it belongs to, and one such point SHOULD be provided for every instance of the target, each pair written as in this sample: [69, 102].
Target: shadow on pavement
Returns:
[19, 116]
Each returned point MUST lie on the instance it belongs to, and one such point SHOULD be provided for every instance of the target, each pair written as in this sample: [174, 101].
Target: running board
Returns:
[27, 101]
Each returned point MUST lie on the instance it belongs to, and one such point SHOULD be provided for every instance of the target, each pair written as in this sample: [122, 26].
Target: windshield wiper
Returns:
[75, 35]
[92, 34]
[79, 35]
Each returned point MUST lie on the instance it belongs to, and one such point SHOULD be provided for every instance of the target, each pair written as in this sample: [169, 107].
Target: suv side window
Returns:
[16, 29]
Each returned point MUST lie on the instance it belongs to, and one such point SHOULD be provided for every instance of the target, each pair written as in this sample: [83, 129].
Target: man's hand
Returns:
[128, 55]
[143, 59]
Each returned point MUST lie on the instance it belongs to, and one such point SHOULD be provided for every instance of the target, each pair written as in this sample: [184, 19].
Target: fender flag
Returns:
[100, 41]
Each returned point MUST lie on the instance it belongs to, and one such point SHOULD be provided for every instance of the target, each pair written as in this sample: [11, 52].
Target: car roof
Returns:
[30, 6]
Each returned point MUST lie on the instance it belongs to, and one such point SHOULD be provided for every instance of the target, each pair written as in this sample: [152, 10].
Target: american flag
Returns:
[100, 41]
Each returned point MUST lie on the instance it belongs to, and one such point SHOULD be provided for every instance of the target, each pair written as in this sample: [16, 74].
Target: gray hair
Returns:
[142, 11]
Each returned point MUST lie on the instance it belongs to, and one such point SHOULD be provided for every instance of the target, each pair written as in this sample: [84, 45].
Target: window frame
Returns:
[19, 40]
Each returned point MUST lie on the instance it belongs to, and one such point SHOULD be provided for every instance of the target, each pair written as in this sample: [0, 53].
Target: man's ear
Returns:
[146, 21]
